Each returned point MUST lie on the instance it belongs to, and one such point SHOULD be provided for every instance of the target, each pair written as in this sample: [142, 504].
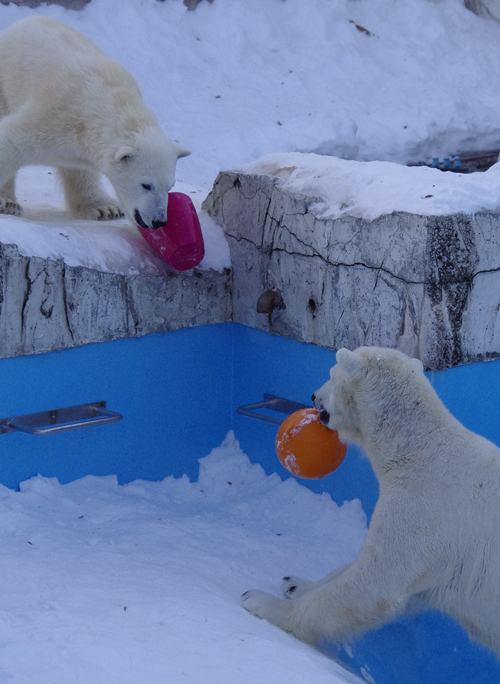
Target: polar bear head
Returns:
[142, 171]
[370, 390]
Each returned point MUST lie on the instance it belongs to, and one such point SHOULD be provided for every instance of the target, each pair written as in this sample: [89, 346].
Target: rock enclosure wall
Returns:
[47, 305]
[427, 285]
[68, 4]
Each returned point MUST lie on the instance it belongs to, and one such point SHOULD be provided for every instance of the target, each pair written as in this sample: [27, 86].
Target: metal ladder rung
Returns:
[275, 404]
[60, 420]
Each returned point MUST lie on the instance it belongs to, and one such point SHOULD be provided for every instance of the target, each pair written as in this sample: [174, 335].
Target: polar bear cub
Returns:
[63, 103]
[434, 536]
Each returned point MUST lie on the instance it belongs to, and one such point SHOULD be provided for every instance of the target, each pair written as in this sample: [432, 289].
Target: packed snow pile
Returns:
[141, 583]
[369, 190]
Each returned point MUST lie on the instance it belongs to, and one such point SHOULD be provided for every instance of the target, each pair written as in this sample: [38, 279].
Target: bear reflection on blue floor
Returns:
[428, 648]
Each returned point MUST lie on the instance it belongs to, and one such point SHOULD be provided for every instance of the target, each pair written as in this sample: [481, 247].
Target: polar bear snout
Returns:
[158, 223]
[155, 223]
[138, 219]
[324, 415]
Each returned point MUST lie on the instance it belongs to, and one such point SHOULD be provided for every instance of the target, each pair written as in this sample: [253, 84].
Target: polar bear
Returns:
[434, 537]
[63, 103]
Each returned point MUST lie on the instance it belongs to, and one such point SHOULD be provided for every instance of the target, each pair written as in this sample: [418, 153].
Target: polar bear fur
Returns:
[434, 537]
[63, 103]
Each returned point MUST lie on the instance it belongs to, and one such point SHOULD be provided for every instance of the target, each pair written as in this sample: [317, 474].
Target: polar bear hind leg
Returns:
[85, 196]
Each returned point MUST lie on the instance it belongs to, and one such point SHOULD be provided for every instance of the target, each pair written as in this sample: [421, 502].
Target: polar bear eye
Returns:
[146, 186]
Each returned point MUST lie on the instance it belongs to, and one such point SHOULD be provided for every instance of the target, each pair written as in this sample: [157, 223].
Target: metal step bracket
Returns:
[273, 403]
[61, 420]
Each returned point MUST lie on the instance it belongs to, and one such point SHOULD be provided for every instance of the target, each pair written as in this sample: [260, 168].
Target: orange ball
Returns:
[306, 447]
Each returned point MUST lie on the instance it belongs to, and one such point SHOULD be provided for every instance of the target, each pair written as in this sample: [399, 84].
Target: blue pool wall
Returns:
[178, 394]
[172, 390]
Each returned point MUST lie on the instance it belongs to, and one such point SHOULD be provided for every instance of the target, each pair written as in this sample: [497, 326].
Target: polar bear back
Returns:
[44, 59]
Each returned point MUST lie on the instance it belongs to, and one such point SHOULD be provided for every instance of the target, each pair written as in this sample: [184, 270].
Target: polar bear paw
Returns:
[259, 603]
[294, 586]
[11, 207]
[105, 211]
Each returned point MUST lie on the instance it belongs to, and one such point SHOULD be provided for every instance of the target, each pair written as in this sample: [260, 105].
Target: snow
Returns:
[375, 81]
[369, 190]
[140, 583]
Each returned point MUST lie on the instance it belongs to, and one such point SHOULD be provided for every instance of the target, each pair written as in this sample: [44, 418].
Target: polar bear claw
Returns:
[8, 206]
[295, 586]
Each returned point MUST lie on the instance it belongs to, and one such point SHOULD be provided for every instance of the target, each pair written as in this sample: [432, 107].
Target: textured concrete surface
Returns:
[47, 305]
[427, 285]
[68, 4]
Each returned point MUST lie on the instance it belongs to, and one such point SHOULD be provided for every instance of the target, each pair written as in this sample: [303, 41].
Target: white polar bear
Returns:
[63, 103]
[434, 538]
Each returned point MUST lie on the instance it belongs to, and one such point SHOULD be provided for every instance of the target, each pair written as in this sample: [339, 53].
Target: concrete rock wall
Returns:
[47, 305]
[488, 7]
[427, 285]
[68, 4]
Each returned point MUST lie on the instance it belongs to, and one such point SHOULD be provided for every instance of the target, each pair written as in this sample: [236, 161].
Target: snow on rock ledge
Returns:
[369, 190]
[428, 285]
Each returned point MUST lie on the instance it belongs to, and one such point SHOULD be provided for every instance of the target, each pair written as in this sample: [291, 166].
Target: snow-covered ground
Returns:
[139, 583]
[364, 80]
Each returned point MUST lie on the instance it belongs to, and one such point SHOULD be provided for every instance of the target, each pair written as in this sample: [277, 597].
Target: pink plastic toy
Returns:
[179, 242]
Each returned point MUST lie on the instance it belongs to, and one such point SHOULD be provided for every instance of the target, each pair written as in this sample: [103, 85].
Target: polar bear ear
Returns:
[181, 151]
[125, 154]
[350, 362]
[417, 365]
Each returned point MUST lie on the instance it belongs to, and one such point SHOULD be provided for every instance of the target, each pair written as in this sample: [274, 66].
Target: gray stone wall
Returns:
[490, 8]
[427, 285]
[68, 4]
[47, 305]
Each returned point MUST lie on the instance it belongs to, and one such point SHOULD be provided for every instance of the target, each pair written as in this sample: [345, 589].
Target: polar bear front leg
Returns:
[349, 601]
[10, 162]
[295, 586]
[8, 202]
[85, 196]
[322, 613]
